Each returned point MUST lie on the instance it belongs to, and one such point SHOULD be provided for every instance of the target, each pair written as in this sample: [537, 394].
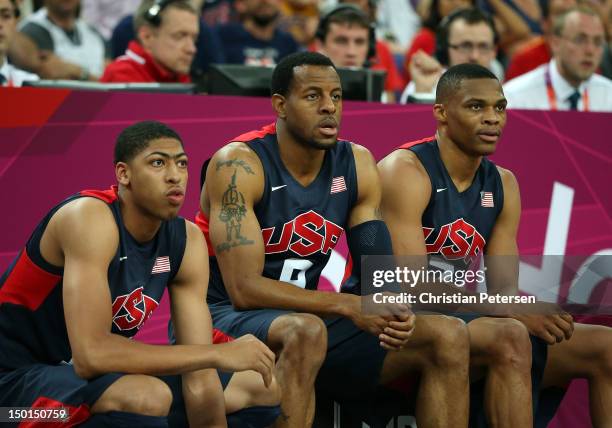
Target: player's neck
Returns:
[142, 227]
[302, 162]
[460, 166]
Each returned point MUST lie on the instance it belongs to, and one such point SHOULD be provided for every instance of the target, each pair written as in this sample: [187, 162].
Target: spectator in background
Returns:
[537, 51]
[464, 36]
[516, 21]
[209, 48]
[257, 40]
[164, 48]
[512, 27]
[568, 81]
[345, 35]
[425, 38]
[217, 12]
[57, 30]
[300, 19]
[606, 62]
[104, 15]
[396, 23]
[10, 75]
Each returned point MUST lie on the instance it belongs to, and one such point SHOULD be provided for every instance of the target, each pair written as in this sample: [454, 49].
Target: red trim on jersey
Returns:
[348, 269]
[202, 222]
[109, 196]
[417, 142]
[252, 135]
[27, 284]
[219, 337]
[78, 415]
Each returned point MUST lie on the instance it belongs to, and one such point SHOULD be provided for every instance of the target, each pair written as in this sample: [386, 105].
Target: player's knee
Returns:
[304, 338]
[511, 347]
[147, 395]
[450, 342]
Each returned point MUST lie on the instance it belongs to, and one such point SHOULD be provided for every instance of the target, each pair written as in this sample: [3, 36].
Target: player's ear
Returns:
[278, 104]
[122, 173]
[439, 112]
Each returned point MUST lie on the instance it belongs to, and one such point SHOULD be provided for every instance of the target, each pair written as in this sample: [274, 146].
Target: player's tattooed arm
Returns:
[232, 213]
[236, 163]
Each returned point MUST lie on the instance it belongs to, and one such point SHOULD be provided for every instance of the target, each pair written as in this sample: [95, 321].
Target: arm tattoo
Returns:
[236, 162]
[233, 210]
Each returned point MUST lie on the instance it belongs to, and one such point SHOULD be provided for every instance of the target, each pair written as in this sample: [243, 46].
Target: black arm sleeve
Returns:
[371, 238]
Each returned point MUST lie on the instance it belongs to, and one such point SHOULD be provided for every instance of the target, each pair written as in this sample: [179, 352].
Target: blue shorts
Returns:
[43, 385]
[354, 357]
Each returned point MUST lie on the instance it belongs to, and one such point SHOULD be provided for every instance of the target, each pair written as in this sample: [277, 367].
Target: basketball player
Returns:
[442, 196]
[91, 274]
[275, 203]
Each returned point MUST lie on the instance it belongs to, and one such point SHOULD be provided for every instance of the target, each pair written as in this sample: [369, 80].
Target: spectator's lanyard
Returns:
[552, 99]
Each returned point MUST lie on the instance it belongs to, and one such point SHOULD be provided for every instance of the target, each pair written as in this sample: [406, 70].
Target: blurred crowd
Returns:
[550, 54]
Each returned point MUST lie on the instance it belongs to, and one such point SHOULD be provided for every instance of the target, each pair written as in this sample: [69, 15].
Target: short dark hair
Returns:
[451, 80]
[136, 138]
[283, 73]
[433, 18]
[471, 16]
[343, 13]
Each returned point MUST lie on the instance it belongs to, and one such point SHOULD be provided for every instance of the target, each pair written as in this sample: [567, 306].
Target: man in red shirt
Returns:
[165, 45]
[537, 51]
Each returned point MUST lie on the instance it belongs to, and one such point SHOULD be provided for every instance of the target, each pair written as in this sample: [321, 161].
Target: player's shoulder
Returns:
[236, 153]
[507, 177]
[361, 154]
[401, 162]
[86, 210]
[193, 234]
[85, 219]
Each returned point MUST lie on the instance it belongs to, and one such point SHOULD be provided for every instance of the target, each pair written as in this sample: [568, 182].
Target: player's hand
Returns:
[552, 328]
[247, 353]
[398, 332]
[425, 71]
[391, 323]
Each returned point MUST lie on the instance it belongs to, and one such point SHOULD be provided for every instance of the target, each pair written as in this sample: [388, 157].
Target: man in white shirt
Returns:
[465, 36]
[568, 82]
[57, 30]
[9, 74]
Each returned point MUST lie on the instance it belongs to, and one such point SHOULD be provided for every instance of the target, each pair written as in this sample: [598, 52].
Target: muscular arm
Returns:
[406, 190]
[368, 182]
[202, 390]
[502, 263]
[502, 251]
[234, 184]
[87, 252]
